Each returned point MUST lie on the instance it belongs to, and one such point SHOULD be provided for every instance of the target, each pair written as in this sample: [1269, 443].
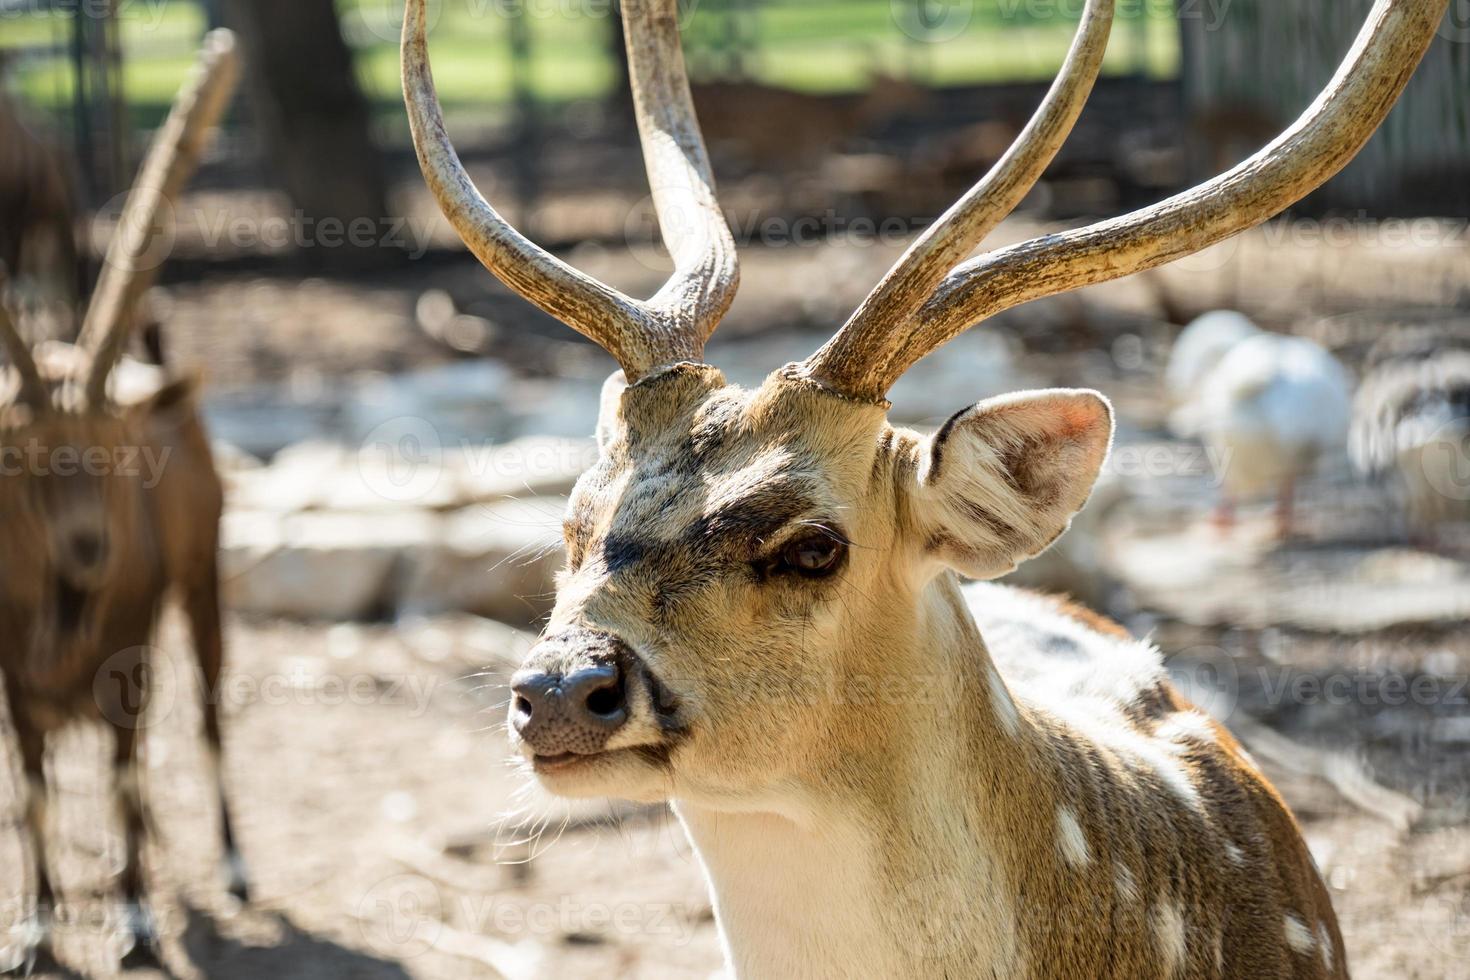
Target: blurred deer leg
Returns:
[33, 759]
[202, 606]
[1224, 516]
[128, 792]
[1286, 508]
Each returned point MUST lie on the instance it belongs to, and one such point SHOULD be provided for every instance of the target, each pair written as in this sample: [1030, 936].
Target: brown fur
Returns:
[875, 785]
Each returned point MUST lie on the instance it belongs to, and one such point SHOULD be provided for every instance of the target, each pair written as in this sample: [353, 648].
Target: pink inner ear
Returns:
[1078, 418]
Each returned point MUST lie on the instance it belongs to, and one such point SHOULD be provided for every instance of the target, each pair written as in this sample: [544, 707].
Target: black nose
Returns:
[576, 712]
[88, 548]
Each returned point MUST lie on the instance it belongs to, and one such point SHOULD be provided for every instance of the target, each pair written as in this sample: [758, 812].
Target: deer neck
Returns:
[841, 875]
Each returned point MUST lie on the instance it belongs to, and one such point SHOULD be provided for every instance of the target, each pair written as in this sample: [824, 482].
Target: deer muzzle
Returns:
[573, 695]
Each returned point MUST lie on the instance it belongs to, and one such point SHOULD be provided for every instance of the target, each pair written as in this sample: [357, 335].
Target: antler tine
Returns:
[1326, 137]
[641, 335]
[706, 272]
[172, 159]
[946, 242]
[32, 388]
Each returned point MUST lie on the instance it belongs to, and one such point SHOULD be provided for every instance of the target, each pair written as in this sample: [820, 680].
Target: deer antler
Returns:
[172, 159]
[641, 334]
[32, 388]
[949, 239]
[869, 354]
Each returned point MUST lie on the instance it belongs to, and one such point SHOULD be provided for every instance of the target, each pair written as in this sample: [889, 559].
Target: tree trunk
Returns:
[316, 125]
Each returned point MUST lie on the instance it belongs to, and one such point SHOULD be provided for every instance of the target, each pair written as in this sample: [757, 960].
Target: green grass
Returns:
[814, 45]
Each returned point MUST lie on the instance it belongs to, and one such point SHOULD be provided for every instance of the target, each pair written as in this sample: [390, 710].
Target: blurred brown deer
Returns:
[108, 506]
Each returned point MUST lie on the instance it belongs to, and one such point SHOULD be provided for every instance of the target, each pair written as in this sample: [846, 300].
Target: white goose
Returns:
[1271, 405]
[1411, 418]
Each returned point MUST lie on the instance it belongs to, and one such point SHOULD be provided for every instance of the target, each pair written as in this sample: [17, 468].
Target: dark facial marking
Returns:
[753, 518]
[619, 551]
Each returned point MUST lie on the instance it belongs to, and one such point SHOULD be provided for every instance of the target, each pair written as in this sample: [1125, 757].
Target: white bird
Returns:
[1411, 418]
[1270, 405]
[1200, 347]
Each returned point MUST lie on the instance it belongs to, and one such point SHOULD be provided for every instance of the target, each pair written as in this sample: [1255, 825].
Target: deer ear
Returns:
[177, 396]
[1002, 479]
[610, 411]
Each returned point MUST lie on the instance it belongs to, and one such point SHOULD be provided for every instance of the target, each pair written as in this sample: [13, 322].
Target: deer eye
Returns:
[814, 555]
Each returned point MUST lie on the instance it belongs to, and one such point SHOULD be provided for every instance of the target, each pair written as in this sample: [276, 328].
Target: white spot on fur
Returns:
[1324, 941]
[1048, 656]
[1124, 882]
[1183, 727]
[1071, 838]
[1001, 703]
[1135, 750]
[1235, 854]
[1077, 675]
[1298, 936]
[1168, 924]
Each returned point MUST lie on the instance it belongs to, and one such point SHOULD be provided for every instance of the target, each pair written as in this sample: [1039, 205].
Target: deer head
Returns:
[74, 464]
[761, 582]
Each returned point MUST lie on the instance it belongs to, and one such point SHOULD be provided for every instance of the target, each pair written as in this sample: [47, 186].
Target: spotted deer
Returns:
[108, 505]
[762, 621]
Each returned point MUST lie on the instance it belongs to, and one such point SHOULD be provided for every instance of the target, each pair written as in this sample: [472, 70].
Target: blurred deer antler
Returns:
[172, 159]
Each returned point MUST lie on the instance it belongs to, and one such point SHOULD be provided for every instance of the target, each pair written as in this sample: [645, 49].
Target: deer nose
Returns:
[578, 712]
[88, 548]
